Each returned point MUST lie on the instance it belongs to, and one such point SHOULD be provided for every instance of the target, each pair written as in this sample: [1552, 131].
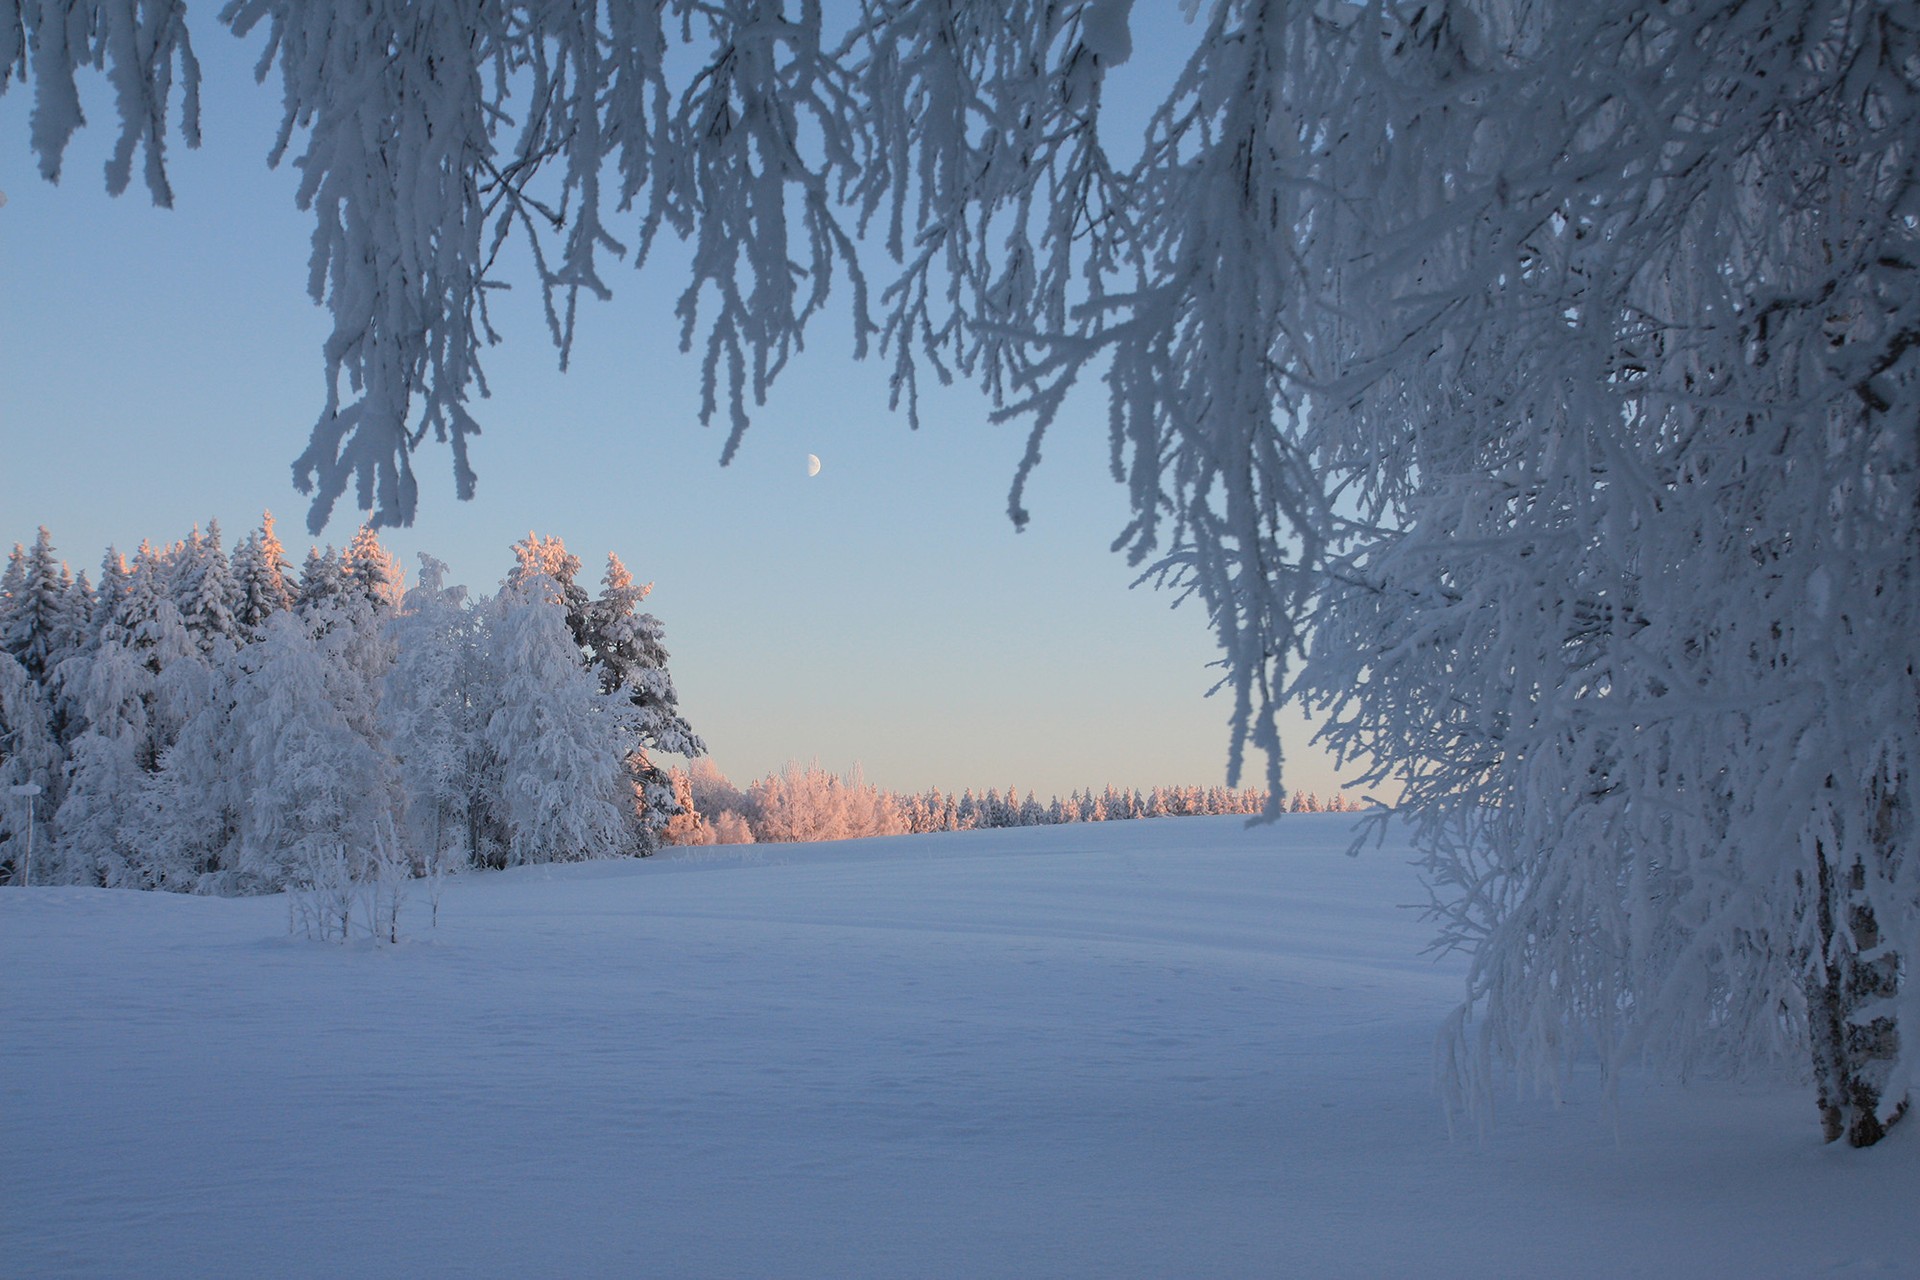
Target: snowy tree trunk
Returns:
[1852, 1021]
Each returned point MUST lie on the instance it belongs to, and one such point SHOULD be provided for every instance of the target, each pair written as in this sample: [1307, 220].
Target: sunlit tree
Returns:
[557, 743]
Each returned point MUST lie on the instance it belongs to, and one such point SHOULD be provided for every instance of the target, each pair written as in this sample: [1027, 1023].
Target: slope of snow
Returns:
[1145, 1048]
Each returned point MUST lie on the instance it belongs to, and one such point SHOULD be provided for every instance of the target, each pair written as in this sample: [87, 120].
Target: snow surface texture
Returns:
[1127, 1049]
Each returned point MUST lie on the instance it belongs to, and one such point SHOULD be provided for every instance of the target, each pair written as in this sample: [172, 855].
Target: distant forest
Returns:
[207, 722]
[807, 802]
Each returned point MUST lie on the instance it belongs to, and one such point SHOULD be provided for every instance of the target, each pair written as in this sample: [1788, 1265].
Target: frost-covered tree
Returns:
[262, 579]
[686, 825]
[349, 625]
[29, 756]
[317, 793]
[557, 744]
[78, 632]
[38, 626]
[723, 807]
[109, 599]
[537, 555]
[193, 823]
[206, 593]
[186, 819]
[149, 625]
[110, 695]
[320, 580]
[1631, 616]
[368, 567]
[428, 717]
[808, 802]
[626, 650]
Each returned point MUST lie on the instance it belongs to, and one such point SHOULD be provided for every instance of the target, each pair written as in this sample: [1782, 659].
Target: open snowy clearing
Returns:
[1166, 1048]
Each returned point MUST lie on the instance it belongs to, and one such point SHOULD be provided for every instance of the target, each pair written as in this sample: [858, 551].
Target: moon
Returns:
[813, 464]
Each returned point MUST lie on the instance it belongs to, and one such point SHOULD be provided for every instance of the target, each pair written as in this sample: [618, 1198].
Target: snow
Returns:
[1176, 1047]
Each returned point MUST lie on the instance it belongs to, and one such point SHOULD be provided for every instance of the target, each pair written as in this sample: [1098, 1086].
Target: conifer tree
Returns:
[320, 580]
[110, 598]
[149, 625]
[625, 649]
[76, 634]
[686, 826]
[262, 576]
[206, 594]
[37, 625]
[369, 568]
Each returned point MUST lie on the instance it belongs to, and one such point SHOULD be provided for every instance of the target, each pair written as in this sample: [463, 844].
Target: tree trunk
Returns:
[1850, 1012]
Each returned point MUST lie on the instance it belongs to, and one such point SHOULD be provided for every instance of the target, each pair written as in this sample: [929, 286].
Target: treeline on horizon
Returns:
[804, 803]
[206, 722]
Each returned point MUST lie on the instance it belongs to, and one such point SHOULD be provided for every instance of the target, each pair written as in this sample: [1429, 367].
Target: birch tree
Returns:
[556, 743]
[428, 716]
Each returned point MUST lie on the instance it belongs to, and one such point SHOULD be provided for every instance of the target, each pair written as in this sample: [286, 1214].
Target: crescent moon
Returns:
[813, 464]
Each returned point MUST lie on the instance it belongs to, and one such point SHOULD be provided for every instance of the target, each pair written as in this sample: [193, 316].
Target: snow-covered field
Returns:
[1170, 1048]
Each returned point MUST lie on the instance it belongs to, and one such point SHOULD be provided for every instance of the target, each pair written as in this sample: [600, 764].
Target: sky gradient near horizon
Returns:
[163, 367]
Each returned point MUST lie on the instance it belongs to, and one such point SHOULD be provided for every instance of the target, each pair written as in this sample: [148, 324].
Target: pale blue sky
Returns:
[163, 367]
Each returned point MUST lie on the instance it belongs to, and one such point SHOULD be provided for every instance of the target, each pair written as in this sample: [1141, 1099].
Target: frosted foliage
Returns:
[339, 748]
[556, 740]
[187, 812]
[93, 845]
[110, 598]
[625, 648]
[317, 791]
[628, 649]
[802, 803]
[687, 825]
[37, 625]
[1628, 603]
[149, 622]
[711, 790]
[427, 717]
[206, 592]
[320, 579]
[142, 45]
[356, 652]
[261, 580]
[535, 554]
[109, 692]
[28, 755]
[372, 570]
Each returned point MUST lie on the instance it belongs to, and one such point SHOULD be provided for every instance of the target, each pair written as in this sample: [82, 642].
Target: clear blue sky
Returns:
[163, 367]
